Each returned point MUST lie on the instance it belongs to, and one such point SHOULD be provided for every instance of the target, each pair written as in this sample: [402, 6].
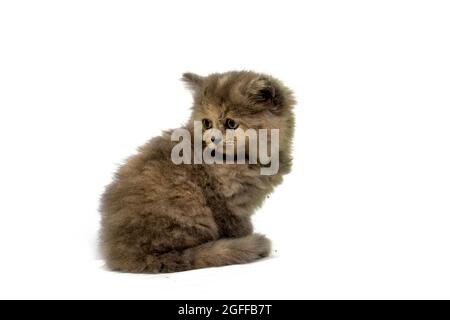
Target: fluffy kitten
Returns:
[161, 217]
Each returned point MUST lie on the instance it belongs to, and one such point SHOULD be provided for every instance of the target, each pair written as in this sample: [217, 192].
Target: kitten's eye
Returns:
[207, 124]
[231, 124]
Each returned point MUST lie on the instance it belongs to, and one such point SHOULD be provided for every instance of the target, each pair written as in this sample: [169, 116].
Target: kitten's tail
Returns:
[212, 254]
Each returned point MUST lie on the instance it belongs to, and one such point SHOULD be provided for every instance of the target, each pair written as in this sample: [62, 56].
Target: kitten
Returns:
[158, 216]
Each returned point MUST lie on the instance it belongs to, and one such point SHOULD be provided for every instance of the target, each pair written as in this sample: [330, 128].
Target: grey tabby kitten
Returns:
[158, 216]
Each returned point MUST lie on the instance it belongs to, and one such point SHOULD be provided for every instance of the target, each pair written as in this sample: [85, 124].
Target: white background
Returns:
[366, 210]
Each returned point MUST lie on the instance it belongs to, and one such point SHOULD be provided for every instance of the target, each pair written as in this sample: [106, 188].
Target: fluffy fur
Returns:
[161, 217]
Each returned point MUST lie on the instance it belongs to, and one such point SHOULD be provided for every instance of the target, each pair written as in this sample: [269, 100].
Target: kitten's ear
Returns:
[265, 91]
[192, 81]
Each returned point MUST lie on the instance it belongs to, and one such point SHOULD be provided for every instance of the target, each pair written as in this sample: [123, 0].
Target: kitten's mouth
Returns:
[233, 157]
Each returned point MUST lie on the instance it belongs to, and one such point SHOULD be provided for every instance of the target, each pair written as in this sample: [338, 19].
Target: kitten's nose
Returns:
[216, 140]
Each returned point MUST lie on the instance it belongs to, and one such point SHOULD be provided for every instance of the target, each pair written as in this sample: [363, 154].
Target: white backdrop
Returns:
[366, 210]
